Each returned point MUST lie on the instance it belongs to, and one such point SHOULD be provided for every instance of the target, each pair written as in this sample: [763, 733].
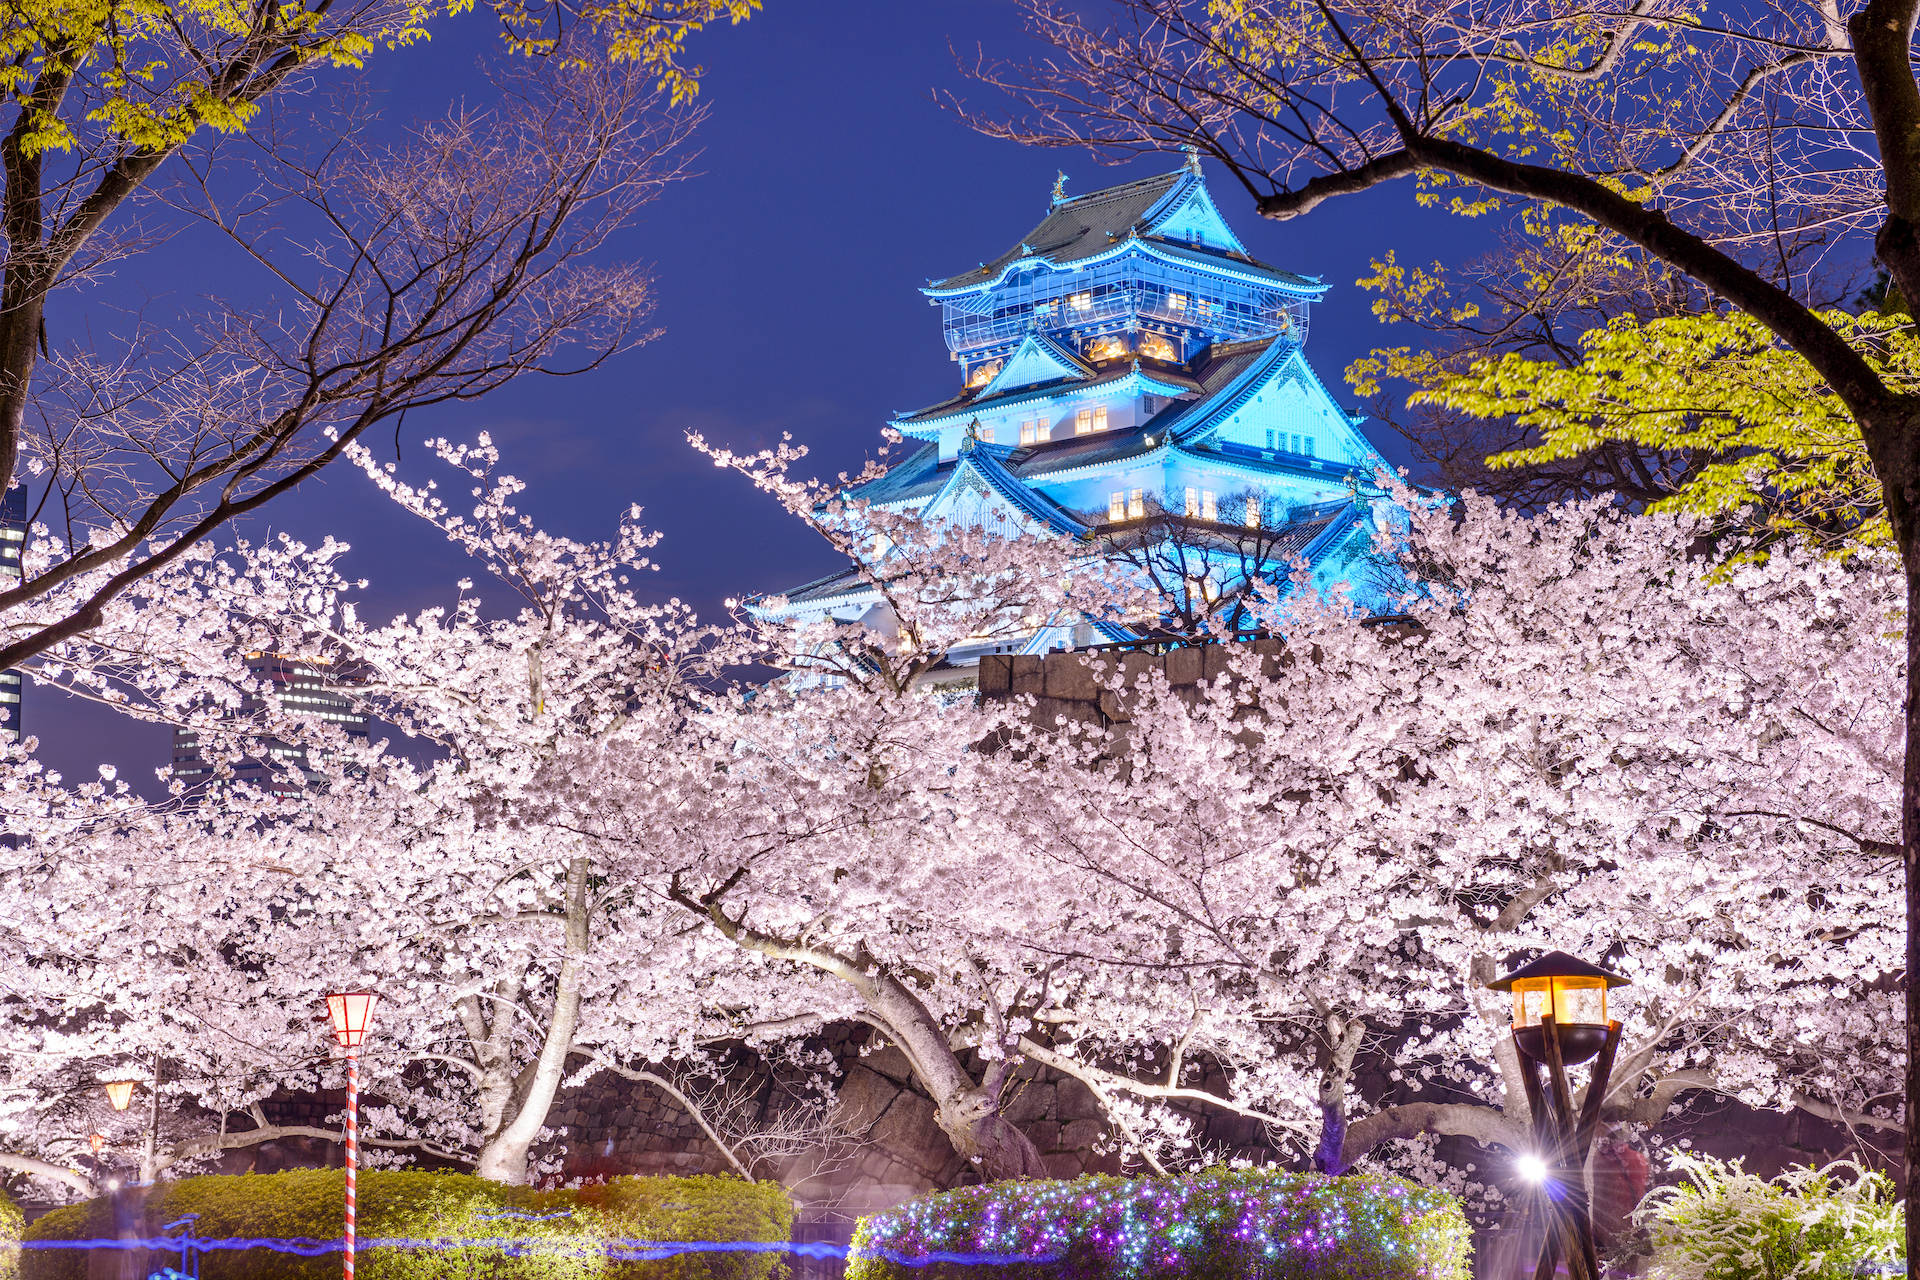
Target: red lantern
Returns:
[97, 1141]
[351, 1013]
[120, 1093]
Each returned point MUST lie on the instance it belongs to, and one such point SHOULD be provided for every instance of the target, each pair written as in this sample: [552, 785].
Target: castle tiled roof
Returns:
[921, 474]
[972, 402]
[1089, 225]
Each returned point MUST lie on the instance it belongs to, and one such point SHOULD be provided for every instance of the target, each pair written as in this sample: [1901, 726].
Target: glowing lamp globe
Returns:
[1571, 992]
[351, 1012]
[120, 1093]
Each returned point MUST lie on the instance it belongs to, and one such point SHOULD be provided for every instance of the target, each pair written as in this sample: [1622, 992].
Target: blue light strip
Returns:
[514, 1246]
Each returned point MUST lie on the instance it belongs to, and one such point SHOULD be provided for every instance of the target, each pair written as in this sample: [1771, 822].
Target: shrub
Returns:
[11, 1221]
[1218, 1225]
[409, 1223]
[1723, 1223]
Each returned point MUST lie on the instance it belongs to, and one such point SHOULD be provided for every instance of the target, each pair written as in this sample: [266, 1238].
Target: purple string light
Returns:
[515, 1246]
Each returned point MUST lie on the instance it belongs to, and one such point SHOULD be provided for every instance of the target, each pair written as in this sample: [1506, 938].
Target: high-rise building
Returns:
[13, 542]
[308, 687]
[1130, 372]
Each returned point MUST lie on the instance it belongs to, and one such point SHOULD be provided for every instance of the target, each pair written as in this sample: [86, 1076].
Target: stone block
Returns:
[1074, 1101]
[1070, 676]
[996, 674]
[1066, 1164]
[1080, 1135]
[1216, 660]
[1182, 665]
[1034, 1099]
[1028, 673]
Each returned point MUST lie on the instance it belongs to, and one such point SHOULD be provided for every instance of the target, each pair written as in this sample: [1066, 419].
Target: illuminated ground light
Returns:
[1531, 1168]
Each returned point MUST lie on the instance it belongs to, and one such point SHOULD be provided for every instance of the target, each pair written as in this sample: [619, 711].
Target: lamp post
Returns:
[350, 1013]
[1560, 1020]
[120, 1094]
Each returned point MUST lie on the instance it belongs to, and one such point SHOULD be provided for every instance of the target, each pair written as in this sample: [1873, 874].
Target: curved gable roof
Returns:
[1089, 226]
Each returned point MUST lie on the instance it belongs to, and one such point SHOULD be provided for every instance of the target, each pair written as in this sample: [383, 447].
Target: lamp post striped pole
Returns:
[353, 1160]
[350, 1013]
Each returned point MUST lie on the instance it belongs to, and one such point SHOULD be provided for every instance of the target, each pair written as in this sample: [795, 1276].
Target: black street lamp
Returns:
[1560, 1020]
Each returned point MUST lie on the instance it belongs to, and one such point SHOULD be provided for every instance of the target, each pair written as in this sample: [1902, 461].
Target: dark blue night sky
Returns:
[830, 187]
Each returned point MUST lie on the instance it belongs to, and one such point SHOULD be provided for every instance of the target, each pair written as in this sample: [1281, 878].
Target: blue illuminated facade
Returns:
[1128, 361]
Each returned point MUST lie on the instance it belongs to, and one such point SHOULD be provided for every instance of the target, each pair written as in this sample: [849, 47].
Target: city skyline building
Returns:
[1129, 371]
[296, 686]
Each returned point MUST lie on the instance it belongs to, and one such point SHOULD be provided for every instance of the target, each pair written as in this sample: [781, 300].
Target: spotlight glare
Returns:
[1531, 1168]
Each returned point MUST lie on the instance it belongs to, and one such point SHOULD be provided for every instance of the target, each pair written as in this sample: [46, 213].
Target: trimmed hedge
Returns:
[11, 1222]
[529, 1235]
[1218, 1225]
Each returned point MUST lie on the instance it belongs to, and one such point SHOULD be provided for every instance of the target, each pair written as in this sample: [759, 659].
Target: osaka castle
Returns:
[1128, 365]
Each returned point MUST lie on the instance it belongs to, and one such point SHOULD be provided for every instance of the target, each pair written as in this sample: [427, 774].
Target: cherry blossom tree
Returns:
[509, 955]
[1708, 138]
[1575, 738]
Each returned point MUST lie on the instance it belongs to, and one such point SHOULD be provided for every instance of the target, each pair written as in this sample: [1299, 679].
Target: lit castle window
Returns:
[1088, 421]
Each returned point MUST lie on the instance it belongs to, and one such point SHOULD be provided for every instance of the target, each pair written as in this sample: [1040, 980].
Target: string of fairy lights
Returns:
[1130, 1227]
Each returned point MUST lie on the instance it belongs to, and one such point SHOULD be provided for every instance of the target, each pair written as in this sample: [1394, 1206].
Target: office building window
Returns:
[1176, 302]
[1082, 301]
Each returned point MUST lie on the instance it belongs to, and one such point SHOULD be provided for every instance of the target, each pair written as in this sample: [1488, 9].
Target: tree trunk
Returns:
[509, 1140]
[1910, 856]
[1344, 1036]
[1892, 432]
[991, 1142]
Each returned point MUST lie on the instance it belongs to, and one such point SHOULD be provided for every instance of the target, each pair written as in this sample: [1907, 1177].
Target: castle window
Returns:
[1117, 505]
[1201, 307]
[1176, 302]
[1100, 418]
[1310, 452]
[1296, 444]
[986, 434]
[1137, 505]
[1193, 502]
[1083, 422]
[1252, 518]
[1044, 310]
[1082, 301]
[1209, 505]
[1030, 432]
